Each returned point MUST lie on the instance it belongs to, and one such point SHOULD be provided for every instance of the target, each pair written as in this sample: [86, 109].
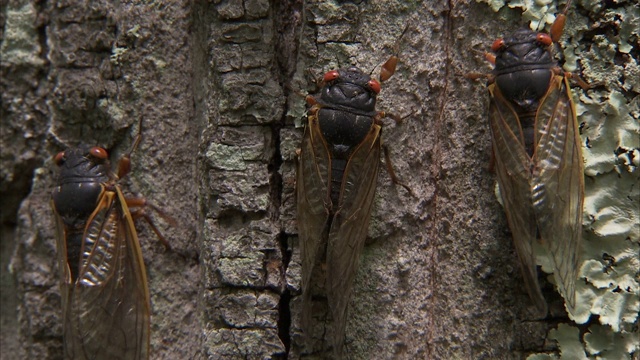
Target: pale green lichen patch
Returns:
[613, 271]
[542, 357]
[538, 12]
[297, 111]
[20, 44]
[568, 338]
[629, 25]
[535, 11]
[159, 63]
[230, 157]
[600, 341]
[116, 54]
[608, 126]
[115, 112]
[617, 308]
[495, 5]
[610, 211]
[225, 157]
[614, 301]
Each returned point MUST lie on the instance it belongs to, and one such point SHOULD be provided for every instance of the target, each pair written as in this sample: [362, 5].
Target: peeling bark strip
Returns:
[241, 249]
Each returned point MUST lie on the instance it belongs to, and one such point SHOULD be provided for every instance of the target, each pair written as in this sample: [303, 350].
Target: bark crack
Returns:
[288, 28]
[436, 170]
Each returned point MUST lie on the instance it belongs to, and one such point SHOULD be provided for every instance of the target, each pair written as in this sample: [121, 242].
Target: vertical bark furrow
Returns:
[241, 238]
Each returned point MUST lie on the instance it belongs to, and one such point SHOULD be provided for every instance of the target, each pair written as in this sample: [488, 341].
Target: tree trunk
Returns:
[220, 89]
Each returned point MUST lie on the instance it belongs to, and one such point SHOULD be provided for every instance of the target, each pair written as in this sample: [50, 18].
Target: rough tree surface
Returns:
[220, 87]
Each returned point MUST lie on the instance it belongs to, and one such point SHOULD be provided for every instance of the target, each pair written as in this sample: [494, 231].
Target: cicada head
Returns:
[523, 50]
[524, 63]
[350, 88]
[83, 164]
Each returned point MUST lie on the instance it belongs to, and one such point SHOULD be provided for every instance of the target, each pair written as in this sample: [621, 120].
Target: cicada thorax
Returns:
[524, 67]
[85, 174]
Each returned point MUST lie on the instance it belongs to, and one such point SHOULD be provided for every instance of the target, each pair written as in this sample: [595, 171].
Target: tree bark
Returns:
[220, 87]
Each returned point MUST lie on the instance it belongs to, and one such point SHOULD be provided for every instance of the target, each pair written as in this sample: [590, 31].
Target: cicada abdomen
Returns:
[105, 298]
[538, 156]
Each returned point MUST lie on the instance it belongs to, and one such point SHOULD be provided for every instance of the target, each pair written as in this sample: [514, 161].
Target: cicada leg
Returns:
[137, 208]
[392, 173]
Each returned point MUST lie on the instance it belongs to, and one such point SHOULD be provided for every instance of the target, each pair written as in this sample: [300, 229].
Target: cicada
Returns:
[538, 156]
[105, 297]
[337, 172]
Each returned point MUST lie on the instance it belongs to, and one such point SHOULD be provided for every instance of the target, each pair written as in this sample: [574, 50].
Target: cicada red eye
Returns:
[497, 45]
[544, 39]
[331, 75]
[374, 85]
[99, 153]
[59, 158]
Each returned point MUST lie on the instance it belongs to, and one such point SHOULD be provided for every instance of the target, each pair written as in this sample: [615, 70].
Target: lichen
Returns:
[20, 44]
[608, 292]
[116, 54]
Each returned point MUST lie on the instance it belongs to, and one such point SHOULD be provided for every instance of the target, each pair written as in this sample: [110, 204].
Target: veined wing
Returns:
[558, 185]
[513, 167]
[349, 229]
[63, 267]
[107, 312]
[313, 203]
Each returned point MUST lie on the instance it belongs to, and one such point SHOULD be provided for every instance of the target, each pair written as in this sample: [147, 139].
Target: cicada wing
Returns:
[513, 166]
[63, 267]
[313, 203]
[139, 306]
[558, 185]
[107, 315]
[349, 229]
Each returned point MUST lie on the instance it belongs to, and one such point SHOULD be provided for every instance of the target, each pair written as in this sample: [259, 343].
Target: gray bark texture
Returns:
[220, 87]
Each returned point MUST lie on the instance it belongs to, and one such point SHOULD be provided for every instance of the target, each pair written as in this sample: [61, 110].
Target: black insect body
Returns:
[337, 172]
[346, 115]
[538, 156]
[104, 290]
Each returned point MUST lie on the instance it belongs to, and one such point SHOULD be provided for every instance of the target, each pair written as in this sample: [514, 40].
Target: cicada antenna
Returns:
[558, 25]
[56, 140]
[124, 165]
[137, 139]
[389, 67]
[372, 69]
[566, 8]
[396, 46]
